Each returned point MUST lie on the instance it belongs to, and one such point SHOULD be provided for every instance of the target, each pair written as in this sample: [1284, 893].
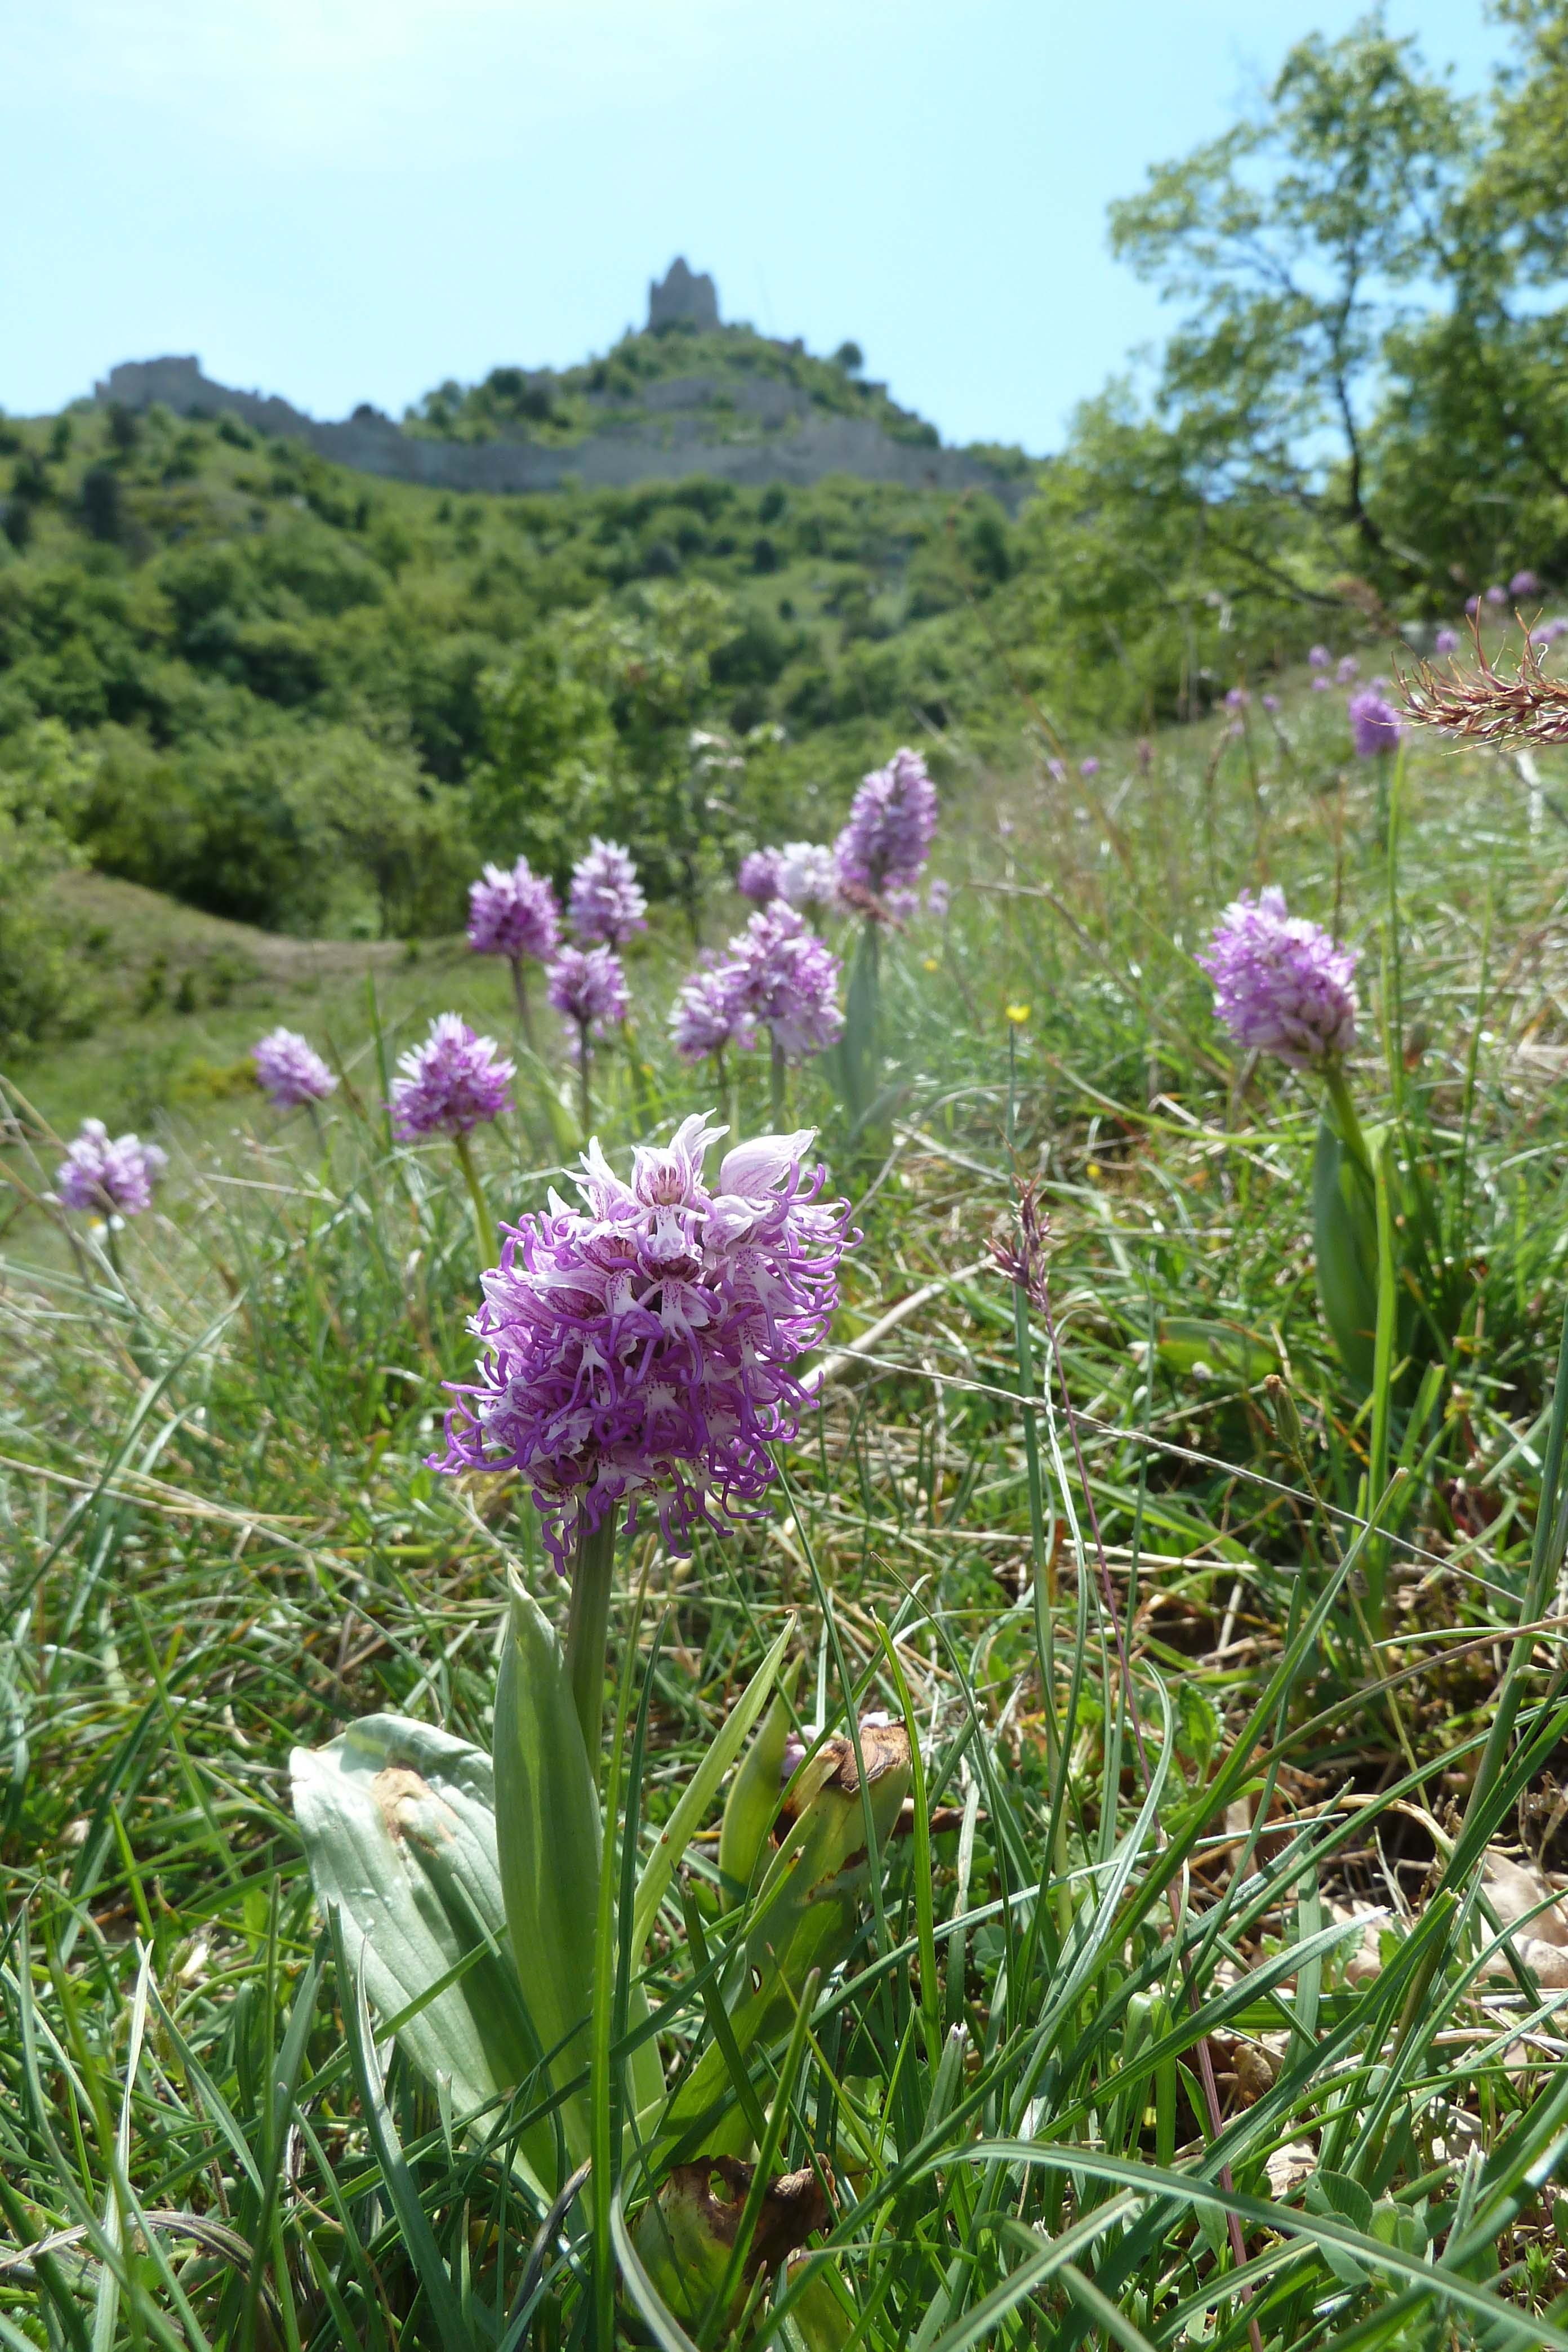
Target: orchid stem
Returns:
[777, 1098]
[1346, 1124]
[587, 1630]
[484, 1223]
[520, 989]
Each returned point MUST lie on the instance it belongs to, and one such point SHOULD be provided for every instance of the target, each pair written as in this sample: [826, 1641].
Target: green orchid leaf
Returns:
[1344, 1225]
[548, 1839]
[1228, 1352]
[854, 1057]
[700, 1792]
[685, 2234]
[398, 1825]
[752, 1806]
[565, 1128]
[805, 1915]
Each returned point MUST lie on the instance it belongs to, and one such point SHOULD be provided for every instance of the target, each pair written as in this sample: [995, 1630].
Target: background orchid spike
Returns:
[1282, 985]
[640, 1349]
[892, 823]
[808, 873]
[589, 986]
[758, 878]
[455, 1081]
[513, 911]
[1375, 725]
[787, 979]
[290, 1071]
[709, 1013]
[606, 904]
[113, 1176]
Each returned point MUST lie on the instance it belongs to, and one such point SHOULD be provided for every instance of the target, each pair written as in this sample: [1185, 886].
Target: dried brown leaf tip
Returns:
[1487, 705]
[685, 2234]
[884, 1746]
[794, 2205]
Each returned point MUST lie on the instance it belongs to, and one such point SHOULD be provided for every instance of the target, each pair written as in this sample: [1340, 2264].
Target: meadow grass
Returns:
[1180, 2009]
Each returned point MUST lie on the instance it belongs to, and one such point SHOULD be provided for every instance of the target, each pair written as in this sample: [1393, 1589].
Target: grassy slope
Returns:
[582, 399]
[298, 1565]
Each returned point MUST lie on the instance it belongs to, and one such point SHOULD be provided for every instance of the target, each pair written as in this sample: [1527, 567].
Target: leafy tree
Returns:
[550, 749]
[368, 809]
[652, 658]
[1472, 446]
[101, 507]
[1289, 241]
[44, 777]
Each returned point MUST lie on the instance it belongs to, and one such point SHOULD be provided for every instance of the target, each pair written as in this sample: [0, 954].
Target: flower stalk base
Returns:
[587, 1630]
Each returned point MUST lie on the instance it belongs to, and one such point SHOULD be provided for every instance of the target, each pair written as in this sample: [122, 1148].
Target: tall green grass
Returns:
[1209, 1652]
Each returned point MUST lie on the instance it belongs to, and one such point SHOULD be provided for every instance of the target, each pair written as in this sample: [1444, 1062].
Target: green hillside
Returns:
[1034, 1815]
[285, 683]
[310, 699]
[558, 407]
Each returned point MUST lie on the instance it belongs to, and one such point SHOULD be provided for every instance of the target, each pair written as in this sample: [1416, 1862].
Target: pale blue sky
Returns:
[344, 200]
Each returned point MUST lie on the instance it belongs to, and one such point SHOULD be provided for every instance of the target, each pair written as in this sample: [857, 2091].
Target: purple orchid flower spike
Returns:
[290, 1071]
[637, 1352]
[1282, 985]
[112, 1176]
[606, 903]
[512, 912]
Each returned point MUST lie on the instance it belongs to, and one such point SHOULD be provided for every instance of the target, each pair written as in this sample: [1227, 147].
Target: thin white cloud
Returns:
[325, 75]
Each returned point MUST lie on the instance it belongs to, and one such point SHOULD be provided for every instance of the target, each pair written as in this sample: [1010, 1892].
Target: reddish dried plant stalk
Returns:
[1486, 706]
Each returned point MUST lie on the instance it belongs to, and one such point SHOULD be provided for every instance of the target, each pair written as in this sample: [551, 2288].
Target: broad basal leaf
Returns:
[398, 1824]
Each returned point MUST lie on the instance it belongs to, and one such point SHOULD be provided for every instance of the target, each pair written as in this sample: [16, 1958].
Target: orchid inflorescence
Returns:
[892, 821]
[757, 878]
[638, 1351]
[710, 1016]
[776, 975]
[512, 912]
[588, 986]
[1282, 985]
[113, 1175]
[606, 903]
[454, 1082]
[1375, 725]
[290, 1071]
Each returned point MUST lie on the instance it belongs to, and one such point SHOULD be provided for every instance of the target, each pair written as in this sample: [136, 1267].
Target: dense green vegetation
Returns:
[1258, 1856]
[559, 406]
[1209, 1988]
[310, 700]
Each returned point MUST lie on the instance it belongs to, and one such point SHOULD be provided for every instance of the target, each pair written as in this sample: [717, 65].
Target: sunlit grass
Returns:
[1152, 1984]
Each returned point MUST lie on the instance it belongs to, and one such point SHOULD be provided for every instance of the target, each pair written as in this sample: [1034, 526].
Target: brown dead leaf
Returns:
[1516, 1890]
[1290, 2167]
[1364, 1959]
